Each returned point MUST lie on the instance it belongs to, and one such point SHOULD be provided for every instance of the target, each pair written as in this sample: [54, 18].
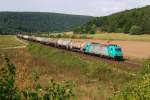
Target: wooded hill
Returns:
[12, 22]
[134, 21]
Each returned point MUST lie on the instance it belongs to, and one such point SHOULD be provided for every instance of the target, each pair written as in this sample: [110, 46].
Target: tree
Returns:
[12, 22]
[134, 21]
[135, 30]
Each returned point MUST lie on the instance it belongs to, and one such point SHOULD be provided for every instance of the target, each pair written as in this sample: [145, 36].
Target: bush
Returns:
[54, 91]
[135, 30]
[83, 36]
[8, 91]
[119, 30]
[59, 36]
[92, 31]
[138, 89]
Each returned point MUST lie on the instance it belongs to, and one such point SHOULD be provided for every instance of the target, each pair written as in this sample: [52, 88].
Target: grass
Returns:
[138, 89]
[7, 41]
[89, 74]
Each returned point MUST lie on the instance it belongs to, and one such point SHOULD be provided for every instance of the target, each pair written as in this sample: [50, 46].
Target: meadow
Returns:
[7, 41]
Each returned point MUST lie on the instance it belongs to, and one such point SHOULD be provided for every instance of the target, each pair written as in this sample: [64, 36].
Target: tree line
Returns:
[134, 21]
[12, 22]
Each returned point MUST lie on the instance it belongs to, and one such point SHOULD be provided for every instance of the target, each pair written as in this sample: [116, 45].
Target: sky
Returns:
[78, 7]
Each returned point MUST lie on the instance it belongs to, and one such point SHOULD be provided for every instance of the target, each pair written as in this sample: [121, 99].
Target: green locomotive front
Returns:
[111, 50]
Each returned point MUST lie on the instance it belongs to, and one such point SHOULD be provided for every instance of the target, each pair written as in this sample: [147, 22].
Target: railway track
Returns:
[125, 62]
[129, 62]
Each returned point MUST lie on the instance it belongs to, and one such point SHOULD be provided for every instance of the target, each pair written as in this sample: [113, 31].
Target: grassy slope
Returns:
[9, 41]
[89, 74]
[94, 79]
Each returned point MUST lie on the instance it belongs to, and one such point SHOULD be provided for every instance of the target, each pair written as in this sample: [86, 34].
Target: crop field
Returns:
[8, 41]
[102, 36]
[94, 79]
[120, 36]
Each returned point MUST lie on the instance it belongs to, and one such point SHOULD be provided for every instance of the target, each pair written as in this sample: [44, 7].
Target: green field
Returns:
[7, 41]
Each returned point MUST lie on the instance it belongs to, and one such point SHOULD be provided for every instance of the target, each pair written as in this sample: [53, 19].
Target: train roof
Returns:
[95, 43]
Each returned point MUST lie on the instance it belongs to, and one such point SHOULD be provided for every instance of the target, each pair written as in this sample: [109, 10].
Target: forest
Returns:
[12, 22]
[134, 21]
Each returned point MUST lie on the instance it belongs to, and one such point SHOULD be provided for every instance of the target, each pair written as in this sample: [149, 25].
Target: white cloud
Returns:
[83, 7]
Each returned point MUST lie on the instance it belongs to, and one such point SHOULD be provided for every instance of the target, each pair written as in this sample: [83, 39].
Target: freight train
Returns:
[103, 50]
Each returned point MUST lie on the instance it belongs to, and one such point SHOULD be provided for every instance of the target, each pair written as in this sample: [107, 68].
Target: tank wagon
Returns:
[103, 50]
[64, 43]
[53, 42]
[77, 46]
[26, 37]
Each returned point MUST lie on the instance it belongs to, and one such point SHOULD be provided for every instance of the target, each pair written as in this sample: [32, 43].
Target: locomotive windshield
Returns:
[118, 49]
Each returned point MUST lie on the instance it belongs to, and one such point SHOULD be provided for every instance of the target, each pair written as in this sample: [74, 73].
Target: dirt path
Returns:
[132, 49]
[17, 47]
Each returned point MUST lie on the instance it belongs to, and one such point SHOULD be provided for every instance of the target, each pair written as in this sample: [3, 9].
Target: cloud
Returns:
[82, 7]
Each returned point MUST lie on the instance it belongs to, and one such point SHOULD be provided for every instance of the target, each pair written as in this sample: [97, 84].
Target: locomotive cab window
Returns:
[118, 49]
[111, 49]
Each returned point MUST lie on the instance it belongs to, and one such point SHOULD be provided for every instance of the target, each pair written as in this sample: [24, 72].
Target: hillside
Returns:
[134, 21]
[11, 22]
